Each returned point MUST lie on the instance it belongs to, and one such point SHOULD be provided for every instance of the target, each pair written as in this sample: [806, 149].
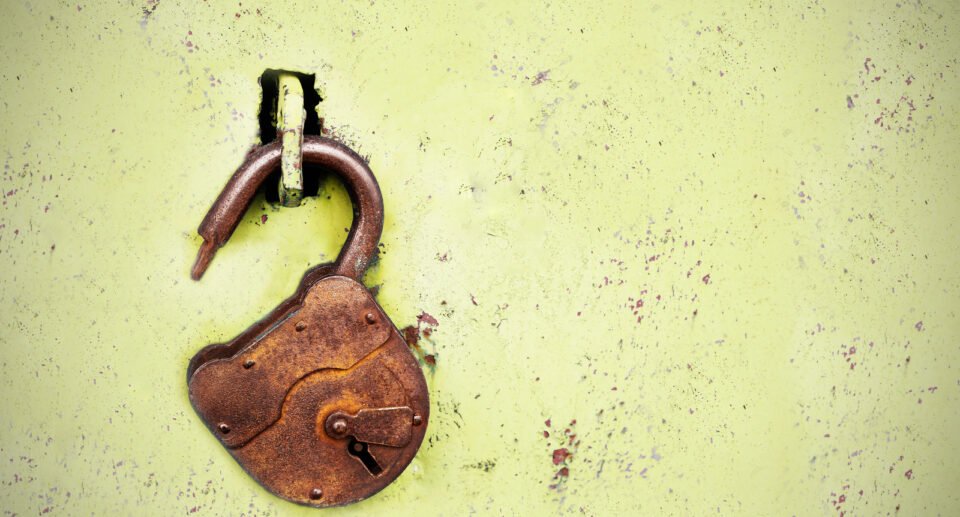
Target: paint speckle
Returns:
[541, 77]
[425, 317]
[417, 336]
[563, 453]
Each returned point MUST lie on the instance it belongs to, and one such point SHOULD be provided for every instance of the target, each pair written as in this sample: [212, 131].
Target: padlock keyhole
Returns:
[360, 451]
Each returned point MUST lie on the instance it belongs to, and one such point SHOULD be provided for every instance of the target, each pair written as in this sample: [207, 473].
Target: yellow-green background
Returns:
[544, 166]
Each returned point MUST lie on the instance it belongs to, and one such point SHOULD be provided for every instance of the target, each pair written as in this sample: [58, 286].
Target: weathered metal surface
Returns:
[361, 245]
[290, 119]
[295, 456]
[269, 403]
[382, 426]
[327, 351]
[244, 392]
[663, 220]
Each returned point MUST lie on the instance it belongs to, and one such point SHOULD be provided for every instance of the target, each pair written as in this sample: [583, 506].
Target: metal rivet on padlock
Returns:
[320, 401]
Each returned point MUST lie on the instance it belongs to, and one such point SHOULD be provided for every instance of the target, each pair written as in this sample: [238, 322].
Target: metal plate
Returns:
[336, 353]
[297, 460]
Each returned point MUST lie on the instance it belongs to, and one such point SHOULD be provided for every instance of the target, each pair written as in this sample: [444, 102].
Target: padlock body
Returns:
[329, 350]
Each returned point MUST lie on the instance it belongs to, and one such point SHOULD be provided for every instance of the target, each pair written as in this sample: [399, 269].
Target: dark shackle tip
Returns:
[204, 256]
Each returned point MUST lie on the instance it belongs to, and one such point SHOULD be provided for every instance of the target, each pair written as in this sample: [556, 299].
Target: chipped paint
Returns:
[721, 238]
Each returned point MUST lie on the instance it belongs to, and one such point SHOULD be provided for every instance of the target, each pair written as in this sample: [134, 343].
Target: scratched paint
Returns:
[658, 258]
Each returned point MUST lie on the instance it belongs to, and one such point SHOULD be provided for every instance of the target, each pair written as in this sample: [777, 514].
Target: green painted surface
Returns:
[778, 185]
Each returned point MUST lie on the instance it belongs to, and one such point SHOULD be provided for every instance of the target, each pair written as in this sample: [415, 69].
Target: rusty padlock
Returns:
[320, 401]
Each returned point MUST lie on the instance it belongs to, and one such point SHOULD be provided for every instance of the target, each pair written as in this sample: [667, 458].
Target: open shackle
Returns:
[361, 245]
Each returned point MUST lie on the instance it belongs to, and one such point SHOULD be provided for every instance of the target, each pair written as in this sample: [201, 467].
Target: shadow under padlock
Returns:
[321, 401]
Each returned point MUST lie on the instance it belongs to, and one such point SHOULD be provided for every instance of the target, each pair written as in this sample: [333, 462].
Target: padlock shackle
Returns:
[361, 245]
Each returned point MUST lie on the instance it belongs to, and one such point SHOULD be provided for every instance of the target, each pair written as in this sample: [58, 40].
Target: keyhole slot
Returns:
[360, 451]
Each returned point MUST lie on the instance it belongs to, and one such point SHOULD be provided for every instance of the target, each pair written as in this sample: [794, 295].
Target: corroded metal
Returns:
[390, 426]
[321, 401]
[361, 244]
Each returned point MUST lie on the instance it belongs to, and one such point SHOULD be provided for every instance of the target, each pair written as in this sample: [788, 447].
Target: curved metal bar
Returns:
[361, 245]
